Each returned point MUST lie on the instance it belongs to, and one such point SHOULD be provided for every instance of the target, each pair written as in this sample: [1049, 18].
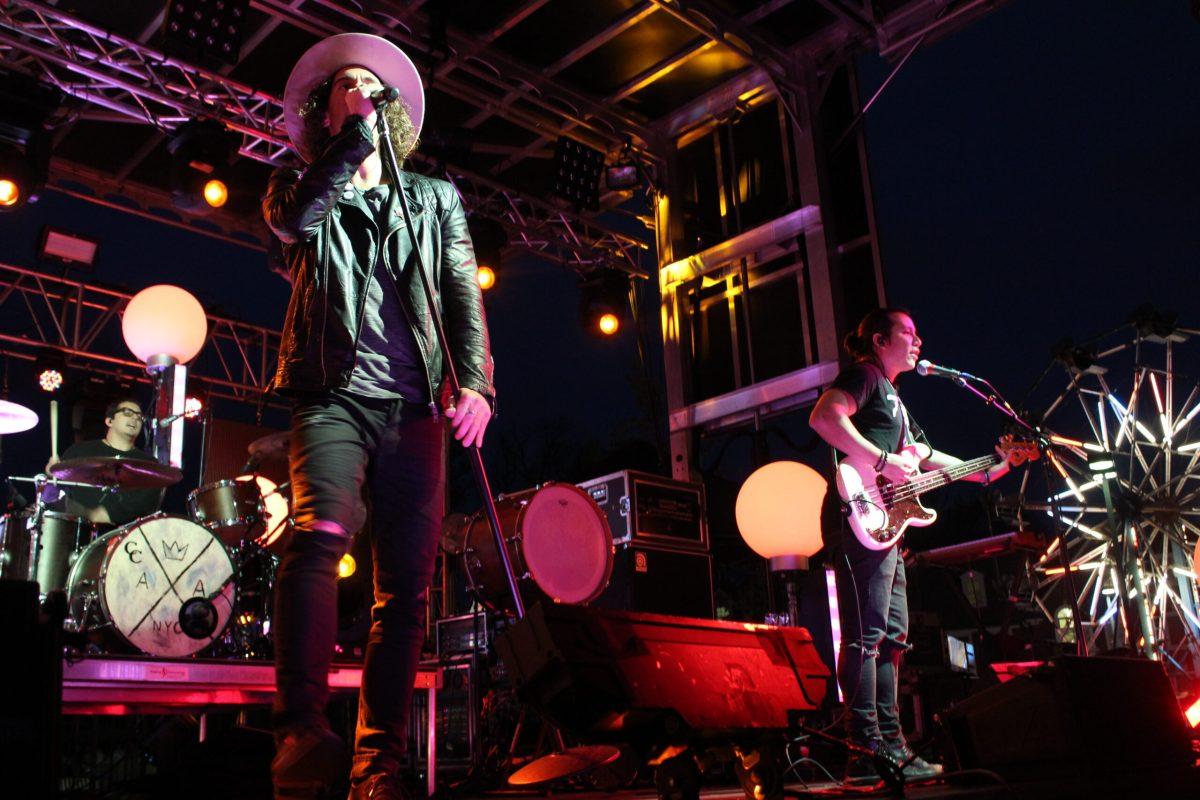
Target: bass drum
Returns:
[128, 586]
[559, 542]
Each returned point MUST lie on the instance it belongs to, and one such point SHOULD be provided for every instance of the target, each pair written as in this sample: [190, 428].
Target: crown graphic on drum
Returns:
[174, 551]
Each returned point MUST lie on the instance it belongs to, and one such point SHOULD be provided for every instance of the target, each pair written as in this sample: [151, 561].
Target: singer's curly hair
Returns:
[314, 109]
[860, 342]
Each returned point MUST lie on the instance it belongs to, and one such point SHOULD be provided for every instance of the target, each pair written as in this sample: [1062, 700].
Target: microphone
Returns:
[385, 95]
[167, 422]
[928, 368]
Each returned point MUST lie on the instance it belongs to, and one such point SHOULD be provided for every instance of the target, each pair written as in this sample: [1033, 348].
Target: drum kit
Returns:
[173, 586]
[162, 585]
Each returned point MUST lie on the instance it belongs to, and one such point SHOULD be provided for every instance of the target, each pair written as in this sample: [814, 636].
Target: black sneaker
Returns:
[915, 767]
[308, 762]
[861, 769]
[379, 786]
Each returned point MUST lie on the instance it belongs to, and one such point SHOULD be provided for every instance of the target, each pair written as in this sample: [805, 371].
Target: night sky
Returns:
[1035, 178]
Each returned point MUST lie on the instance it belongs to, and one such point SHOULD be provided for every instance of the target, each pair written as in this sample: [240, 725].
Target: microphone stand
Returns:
[392, 164]
[994, 399]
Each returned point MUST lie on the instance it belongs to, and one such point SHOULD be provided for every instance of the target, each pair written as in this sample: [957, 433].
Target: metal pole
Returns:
[476, 456]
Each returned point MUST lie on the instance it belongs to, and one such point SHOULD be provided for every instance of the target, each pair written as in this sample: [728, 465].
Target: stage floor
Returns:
[123, 686]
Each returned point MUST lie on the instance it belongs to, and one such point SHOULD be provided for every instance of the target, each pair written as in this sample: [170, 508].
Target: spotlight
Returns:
[577, 173]
[487, 277]
[205, 30]
[625, 172]
[19, 182]
[609, 323]
[67, 248]
[200, 152]
[192, 407]
[25, 144]
[603, 297]
[1193, 714]
[50, 371]
[489, 239]
[216, 193]
[346, 566]
[10, 192]
[50, 380]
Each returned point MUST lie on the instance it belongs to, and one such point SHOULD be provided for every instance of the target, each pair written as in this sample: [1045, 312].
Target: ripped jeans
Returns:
[873, 608]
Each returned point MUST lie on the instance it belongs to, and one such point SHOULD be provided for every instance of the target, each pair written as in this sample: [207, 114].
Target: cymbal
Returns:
[124, 473]
[556, 766]
[271, 446]
[15, 417]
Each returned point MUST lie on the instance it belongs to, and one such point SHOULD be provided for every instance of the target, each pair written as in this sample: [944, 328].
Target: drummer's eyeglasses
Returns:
[129, 412]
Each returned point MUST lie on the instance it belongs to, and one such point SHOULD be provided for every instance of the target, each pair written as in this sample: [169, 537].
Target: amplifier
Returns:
[467, 632]
[658, 580]
[458, 712]
[650, 509]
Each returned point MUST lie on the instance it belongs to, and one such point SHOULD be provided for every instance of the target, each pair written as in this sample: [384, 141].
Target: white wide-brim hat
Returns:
[323, 59]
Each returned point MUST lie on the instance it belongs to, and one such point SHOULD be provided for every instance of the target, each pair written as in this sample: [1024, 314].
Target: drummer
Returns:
[123, 418]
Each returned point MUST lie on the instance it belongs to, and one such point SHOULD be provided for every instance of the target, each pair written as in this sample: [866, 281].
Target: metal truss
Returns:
[44, 314]
[135, 81]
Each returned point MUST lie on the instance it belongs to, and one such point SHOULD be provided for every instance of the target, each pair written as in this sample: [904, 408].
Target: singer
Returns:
[861, 414]
[361, 365]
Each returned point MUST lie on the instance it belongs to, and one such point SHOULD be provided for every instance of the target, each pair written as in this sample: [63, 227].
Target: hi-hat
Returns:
[125, 473]
[15, 417]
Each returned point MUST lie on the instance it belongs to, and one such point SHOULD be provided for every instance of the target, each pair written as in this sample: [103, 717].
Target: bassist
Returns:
[861, 416]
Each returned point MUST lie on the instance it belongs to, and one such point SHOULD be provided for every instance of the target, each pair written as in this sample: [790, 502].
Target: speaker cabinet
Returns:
[1079, 716]
[660, 581]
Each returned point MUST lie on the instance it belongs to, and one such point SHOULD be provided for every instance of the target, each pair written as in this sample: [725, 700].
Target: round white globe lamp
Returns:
[164, 325]
[778, 513]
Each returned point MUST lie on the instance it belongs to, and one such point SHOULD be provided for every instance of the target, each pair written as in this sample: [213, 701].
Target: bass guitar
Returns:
[879, 511]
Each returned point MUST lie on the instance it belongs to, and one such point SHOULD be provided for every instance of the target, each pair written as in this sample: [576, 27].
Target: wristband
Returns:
[882, 461]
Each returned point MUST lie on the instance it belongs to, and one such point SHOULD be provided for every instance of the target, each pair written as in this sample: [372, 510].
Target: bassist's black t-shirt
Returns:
[882, 421]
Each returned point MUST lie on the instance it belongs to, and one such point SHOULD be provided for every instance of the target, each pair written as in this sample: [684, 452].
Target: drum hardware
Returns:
[42, 545]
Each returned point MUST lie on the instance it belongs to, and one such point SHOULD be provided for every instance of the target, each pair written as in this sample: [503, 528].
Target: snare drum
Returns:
[228, 508]
[559, 543]
[61, 537]
[127, 587]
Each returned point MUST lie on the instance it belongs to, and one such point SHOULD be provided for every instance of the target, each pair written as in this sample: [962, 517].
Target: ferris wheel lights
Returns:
[1054, 437]
[1185, 419]
[1189, 447]
[1093, 447]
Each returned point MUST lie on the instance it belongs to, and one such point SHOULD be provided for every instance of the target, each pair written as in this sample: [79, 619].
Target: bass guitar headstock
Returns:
[1017, 451]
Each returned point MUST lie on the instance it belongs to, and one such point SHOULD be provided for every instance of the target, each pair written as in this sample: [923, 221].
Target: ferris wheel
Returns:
[1124, 490]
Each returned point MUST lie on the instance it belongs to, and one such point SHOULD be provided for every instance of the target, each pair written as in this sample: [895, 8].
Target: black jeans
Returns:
[873, 609]
[341, 444]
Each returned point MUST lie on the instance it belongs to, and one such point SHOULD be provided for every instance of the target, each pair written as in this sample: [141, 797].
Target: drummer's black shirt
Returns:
[125, 506]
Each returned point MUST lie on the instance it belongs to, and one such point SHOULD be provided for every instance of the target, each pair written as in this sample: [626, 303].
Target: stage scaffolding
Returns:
[42, 314]
[785, 221]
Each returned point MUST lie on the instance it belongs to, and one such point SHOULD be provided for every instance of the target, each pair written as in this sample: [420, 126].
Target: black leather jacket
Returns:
[329, 236]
